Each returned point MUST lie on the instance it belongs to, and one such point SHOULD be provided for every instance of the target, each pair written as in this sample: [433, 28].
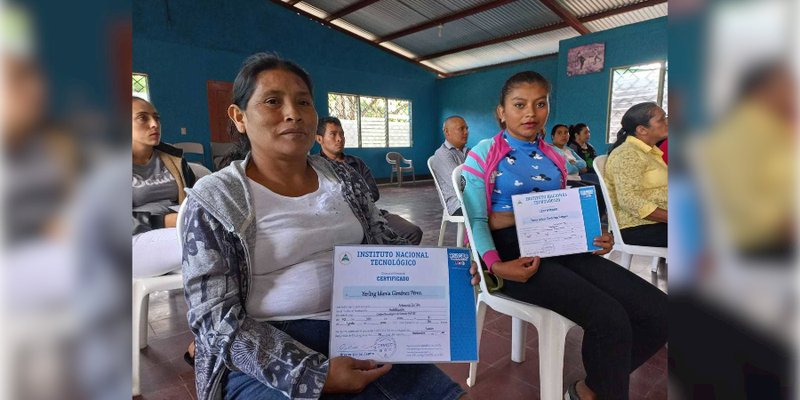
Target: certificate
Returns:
[557, 222]
[403, 304]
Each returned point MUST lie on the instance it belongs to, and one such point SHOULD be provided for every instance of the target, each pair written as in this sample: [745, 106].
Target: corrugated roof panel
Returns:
[385, 17]
[544, 43]
[428, 8]
[514, 17]
[330, 6]
[582, 8]
[459, 5]
[480, 57]
[631, 17]
[453, 34]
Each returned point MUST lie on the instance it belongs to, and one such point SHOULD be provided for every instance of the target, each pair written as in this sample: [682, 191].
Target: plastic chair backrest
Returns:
[393, 157]
[455, 180]
[179, 224]
[599, 165]
[436, 183]
[199, 170]
[190, 147]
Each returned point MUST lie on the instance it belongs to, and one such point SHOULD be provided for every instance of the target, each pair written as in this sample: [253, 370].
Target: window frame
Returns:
[386, 100]
[147, 95]
[664, 65]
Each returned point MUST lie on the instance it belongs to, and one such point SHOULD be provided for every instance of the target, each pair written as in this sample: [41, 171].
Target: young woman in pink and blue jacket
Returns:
[623, 316]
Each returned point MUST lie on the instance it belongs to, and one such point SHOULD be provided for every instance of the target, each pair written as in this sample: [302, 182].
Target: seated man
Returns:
[448, 156]
[330, 136]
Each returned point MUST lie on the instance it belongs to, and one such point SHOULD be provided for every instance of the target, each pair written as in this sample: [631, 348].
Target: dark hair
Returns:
[574, 130]
[637, 115]
[555, 127]
[323, 122]
[516, 79]
[243, 87]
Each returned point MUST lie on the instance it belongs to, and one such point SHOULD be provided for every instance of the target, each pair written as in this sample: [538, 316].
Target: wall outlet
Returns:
[183, 131]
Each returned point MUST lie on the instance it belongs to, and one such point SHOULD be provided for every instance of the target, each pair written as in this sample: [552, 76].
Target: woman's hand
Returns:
[476, 277]
[349, 375]
[606, 241]
[519, 270]
[573, 162]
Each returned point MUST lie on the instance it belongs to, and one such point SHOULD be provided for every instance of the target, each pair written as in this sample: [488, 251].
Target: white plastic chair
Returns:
[552, 327]
[199, 170]
[396, 161]
[627, 250]
[190, 148]
[456, 219]
[142, 287]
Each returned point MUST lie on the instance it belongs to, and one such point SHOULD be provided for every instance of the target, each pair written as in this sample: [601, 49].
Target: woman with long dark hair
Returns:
[623, 316]
[257, 258]
[636, 176]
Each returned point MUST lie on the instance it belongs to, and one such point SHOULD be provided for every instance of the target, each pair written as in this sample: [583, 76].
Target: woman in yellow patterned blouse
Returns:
[636, 176]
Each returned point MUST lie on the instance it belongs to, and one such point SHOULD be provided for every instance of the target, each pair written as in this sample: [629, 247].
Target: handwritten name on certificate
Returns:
[403, 304]
[557, 222]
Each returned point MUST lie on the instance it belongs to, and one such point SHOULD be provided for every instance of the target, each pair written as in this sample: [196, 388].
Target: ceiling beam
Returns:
[351, 34]
[544, 29]
[292, 2]
[443, 20]
[349, 9]
[566, 16]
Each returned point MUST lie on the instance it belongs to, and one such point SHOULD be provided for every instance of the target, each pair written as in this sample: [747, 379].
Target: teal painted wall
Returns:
[475, 96]
[584, 98]
[181, 44]
[574, 99]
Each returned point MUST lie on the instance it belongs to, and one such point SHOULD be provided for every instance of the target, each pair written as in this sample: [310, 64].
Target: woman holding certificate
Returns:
[623, 316]
[257, 261]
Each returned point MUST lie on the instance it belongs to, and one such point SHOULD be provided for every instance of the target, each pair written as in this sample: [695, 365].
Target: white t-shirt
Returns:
[292, 261]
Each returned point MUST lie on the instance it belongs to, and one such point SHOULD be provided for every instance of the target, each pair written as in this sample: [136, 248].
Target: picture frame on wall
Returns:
[586, 59]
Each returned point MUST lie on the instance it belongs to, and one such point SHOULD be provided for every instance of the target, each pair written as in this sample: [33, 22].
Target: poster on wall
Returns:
[586, 59]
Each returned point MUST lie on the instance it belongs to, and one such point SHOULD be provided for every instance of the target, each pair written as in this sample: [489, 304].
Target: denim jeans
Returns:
[404, 381]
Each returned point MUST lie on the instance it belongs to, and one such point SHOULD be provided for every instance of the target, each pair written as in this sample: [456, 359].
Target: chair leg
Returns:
[518, 336]
[552, 339]
[654, 264]
[143, 321]
[473, 366]
[441, 232]
[626, 260]
[136, 332]
[460, 235]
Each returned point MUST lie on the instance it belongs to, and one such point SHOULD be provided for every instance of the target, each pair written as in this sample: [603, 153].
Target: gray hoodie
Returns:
[218, 240]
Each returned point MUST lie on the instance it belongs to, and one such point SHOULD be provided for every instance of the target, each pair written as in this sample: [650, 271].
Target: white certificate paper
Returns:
[403, 304]
[557, 222]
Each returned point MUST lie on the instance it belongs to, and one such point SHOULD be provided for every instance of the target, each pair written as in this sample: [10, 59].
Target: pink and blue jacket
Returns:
[480, 170]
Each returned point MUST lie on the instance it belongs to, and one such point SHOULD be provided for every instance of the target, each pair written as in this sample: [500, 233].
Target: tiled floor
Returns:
[164, 374]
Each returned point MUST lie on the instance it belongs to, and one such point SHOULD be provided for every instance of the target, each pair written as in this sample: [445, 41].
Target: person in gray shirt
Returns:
[448, 156]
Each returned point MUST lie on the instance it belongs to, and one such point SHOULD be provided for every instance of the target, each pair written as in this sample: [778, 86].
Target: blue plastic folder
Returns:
[403, 304]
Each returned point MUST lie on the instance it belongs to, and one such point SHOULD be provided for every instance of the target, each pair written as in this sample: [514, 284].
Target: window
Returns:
[141, 87]
[372, 121]
[632, 85]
